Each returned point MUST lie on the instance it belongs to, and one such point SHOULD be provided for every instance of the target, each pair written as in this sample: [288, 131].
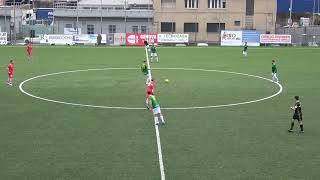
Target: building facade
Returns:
[104, 16]
[203, 20]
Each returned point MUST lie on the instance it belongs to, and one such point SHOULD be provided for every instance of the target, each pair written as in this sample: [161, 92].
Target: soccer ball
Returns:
[166, 80]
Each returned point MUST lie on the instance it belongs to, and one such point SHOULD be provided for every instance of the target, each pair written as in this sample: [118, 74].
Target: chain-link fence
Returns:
[302, 36]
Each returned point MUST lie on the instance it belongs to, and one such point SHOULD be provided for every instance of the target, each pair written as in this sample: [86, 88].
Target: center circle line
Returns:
[140, 108]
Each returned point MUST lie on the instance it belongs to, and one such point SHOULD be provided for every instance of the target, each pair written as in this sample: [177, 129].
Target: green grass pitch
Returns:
[42, 140]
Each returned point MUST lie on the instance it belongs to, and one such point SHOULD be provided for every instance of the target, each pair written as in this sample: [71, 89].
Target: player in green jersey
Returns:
[155, 107]
[245, 49]
[274, 71]
[144, 68]
[154, 53]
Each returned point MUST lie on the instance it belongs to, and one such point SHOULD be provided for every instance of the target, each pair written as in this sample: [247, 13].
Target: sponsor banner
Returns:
[133, 39]
[251, 37]
[173, 38]
[60, 39]
[43, 38]
[110, 39]
[72, 31]
[231, 38]
[89, 39]
[44, 13]
[3, 38]
[119, 39]
[275, 39]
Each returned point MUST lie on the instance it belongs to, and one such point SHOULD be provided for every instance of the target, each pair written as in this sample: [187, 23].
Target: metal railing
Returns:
[72, 5]
[302, 36]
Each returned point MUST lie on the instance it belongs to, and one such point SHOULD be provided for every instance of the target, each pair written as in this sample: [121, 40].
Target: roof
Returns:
[114, 2]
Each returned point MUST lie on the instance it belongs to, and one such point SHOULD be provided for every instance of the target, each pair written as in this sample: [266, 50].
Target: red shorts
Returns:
[10, 75]
[29, 53]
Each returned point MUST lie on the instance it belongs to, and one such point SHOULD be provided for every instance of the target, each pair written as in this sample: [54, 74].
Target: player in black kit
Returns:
[297, 115]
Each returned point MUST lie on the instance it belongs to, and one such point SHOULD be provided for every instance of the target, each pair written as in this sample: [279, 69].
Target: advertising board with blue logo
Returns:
[44, 14]
[238, 38]
[89, 39]
[251, 37]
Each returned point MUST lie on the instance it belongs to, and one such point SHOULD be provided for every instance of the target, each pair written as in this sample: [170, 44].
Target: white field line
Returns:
[163, 176]
[143, 108]
[137, 47]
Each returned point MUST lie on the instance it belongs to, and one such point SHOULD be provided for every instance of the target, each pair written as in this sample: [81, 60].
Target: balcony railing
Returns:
[92, 12]
[73, 5]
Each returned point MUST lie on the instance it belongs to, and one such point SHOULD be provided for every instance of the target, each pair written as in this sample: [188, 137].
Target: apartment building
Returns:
[203, 20]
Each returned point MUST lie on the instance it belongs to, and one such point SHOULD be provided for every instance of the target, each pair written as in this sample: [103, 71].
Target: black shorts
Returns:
[296, 117]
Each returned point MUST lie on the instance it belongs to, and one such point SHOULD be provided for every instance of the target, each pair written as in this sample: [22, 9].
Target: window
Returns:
[191, 27]
[191, 4]
[143, 29]
[215, 27]
[112, 28]
[237, 23]
[168, 27]
[168, 3]
[68, 26]
[90, 29]
[249, 7]
[135, 29]
[216, 4]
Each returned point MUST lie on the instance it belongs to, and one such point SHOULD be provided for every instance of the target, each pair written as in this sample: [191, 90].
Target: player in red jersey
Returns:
[29, 51]
[10, 73]
[150, 86]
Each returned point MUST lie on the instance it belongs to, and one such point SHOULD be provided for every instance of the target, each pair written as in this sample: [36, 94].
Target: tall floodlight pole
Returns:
[53, 7]
[172, 10]
[314, 11]
[100, 16]
[290, 10]
[148, 17]
[5, 21]
[14, 21]
[77, 17]
[125, 16]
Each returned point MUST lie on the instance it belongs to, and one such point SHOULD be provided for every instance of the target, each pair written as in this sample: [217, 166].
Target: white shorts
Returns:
[156, 110]
[154, 54]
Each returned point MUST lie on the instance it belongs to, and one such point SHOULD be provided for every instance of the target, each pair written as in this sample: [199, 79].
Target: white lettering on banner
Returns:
[89, 38]
[3, 38]
[173, 38]
[231, 38]
[60, 39]
[148, 36]
[275, 38]
[132, 39]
